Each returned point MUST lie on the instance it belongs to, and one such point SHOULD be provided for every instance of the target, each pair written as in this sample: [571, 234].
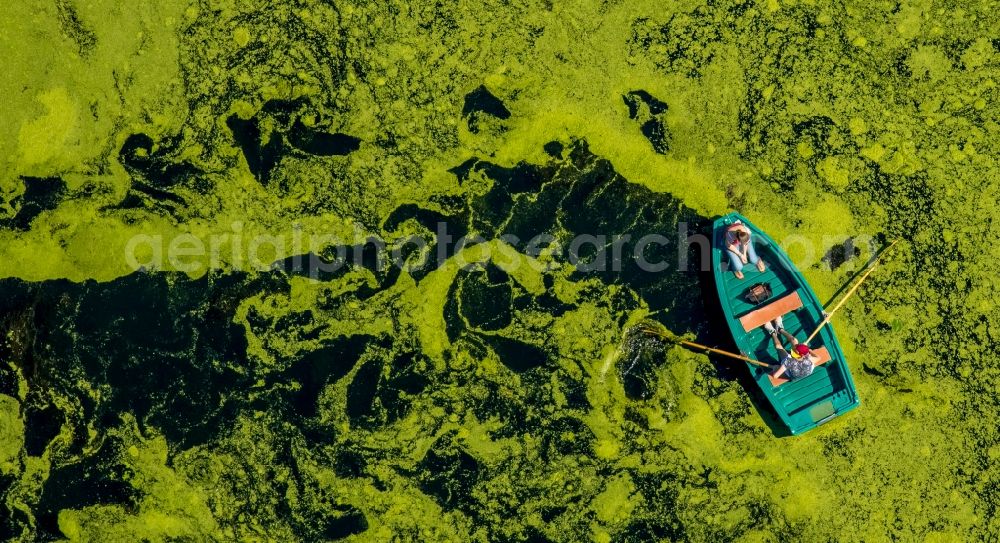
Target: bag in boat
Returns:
[758, 293]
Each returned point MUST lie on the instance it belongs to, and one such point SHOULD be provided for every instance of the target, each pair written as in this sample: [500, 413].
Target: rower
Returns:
[797, 363]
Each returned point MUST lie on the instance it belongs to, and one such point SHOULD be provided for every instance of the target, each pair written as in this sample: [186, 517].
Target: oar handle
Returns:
[724, 353]
[692, 344]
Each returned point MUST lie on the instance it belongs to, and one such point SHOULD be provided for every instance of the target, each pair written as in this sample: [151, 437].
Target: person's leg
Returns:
[782, 354]
[779, 327]
[777, 343]
[735, 264]
[753, 258]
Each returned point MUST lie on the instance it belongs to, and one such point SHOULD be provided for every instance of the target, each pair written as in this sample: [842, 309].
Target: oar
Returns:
[829, 315]
[664, 334]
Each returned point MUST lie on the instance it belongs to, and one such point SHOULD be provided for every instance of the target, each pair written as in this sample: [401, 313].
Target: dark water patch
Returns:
[361, 393]
[490, 211]
[155, 169]
[142, 339]
[454, 324]
[657, 134]
[165, 346]
[130, 201]
[575, 393]
[406, 380]
[873, 371]
[42, 423]
[261, 155]
[649, 112]
[554, 149]
[486, 213]
[14, 521]
[427, 218]
[823, 136]
[316, 369]
[485, 297]
[286, 134]
[546, 302]
[437, 224]
[550, 513]
[348, 522]
[615, 206]
[584, 196]
[40, 194]
[596, 201]
[483, 102]
[841, 253]
[481, 99]
[349, 462]
[634, 99]
[319, 143]
[516, 354]
[448, 474]
[522, 177]
[384, 386]
[97, 479]
[375, 257]
[318, 514]
[462, 170]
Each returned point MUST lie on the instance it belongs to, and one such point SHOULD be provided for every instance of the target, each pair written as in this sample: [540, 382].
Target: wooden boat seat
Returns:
[771, 311]
[821, 352]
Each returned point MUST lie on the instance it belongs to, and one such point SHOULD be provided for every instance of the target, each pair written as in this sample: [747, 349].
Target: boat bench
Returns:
[771, 311]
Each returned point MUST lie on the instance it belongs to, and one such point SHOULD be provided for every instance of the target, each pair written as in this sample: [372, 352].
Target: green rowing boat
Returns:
[800, 404]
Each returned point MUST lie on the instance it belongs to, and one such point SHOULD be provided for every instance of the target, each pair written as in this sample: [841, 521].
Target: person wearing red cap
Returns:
[796, 364]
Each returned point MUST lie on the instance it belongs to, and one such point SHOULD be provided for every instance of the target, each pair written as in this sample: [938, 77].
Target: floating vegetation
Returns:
[494, 401]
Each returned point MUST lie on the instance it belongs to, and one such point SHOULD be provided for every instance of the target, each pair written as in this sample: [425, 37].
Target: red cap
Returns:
[802, 349]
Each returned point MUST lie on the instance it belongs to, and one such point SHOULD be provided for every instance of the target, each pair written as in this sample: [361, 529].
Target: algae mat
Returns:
[181, 362]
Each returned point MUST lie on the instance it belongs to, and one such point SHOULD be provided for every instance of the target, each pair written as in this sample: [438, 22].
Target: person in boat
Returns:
[739, 246]
[794, 364]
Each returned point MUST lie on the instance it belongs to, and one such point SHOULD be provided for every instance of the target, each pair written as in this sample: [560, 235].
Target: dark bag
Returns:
[758, 293]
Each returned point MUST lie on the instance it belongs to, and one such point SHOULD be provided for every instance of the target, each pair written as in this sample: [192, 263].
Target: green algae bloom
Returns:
[152, 391]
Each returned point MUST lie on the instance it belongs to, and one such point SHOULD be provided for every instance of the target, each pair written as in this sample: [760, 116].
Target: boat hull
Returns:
[802, 404]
